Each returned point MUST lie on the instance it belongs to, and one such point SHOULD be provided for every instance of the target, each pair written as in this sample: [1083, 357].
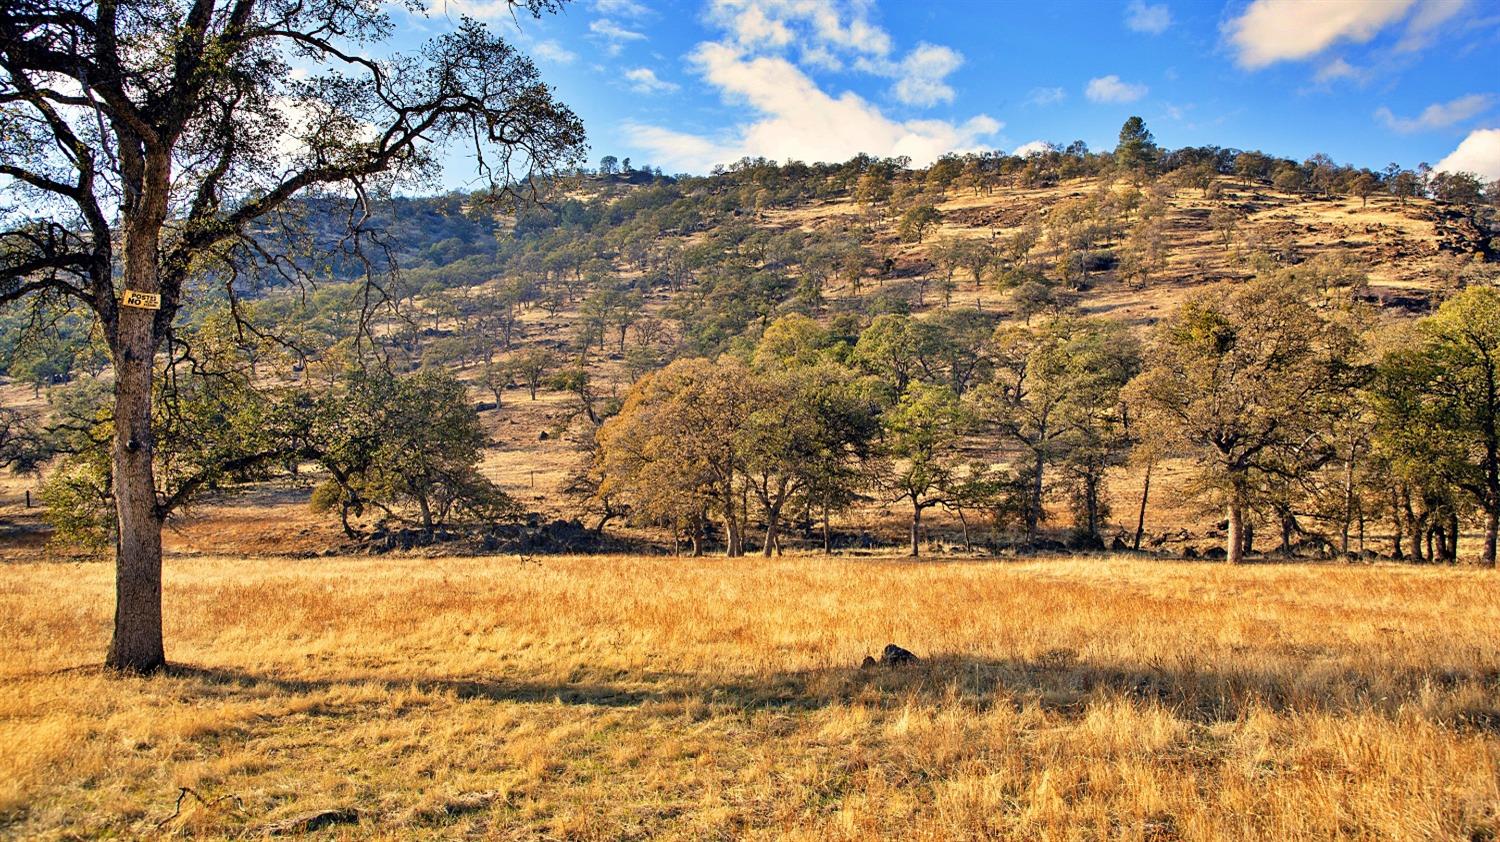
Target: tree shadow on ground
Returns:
[1058, 682]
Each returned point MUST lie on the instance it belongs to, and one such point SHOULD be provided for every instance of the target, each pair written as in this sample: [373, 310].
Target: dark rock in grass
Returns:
[893, 656]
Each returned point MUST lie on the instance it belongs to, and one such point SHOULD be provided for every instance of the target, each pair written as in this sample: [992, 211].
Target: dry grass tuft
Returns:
[608, 698]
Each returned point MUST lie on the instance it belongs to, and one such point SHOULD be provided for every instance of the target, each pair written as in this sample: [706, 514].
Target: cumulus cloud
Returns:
[1439, 115]
[552, 51]
[623, 8]
[1035, 147]
[795, 119]
[836, 35]
[1153, 20]
[1110, 89]
[756, 24]
[1479, 153]
[643, 80]
[1289, 30]
[614, 35]
[922, 73]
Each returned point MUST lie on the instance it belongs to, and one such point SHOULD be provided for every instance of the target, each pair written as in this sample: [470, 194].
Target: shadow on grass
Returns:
[1057, 682]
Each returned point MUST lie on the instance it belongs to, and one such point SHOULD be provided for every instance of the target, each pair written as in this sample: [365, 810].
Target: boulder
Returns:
[892, 656]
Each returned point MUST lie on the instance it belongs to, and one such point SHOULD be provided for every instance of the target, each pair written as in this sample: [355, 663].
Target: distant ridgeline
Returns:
[596, 227]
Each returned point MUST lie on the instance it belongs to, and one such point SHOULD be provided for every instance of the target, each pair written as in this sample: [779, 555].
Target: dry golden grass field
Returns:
[632, 698]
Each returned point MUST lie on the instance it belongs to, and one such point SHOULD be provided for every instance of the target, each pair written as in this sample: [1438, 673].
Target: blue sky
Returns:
[684, 84]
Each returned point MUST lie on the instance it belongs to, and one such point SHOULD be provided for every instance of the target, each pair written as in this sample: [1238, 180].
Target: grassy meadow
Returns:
[634, 698]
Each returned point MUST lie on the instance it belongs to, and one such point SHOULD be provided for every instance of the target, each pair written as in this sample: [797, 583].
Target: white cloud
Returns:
[835, 35]
[643, 80]
[623, 8]
[614, 34]
[795, 119]
[479, 9]
[1046, 96]
[922, 73]
[1288, 30]
[1150, 19]
[822, 58]
[757, 24]
[1422, 29]
[1111, 89]
[1336, 70]
[1479, 153]
[1439, 115]
[1035, 147]
[554, 52]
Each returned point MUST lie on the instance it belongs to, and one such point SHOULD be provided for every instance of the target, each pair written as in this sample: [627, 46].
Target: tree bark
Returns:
[1140, 520]
[1491, 528]
[1034, 511]
[1234, 545]
[1398, 527]
[1348, 513]
[1414, 529]
[137, 642]
[773, 517]
[916, 530]
[827, 538]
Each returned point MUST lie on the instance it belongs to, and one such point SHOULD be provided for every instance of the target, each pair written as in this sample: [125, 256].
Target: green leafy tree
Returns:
[1239, 383]
[1438, 401]
[1055, 395]
[424, 449]
[675, 451]
[920, 450]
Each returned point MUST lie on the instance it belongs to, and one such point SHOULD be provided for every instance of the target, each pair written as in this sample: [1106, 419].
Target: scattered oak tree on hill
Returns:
[154, 140]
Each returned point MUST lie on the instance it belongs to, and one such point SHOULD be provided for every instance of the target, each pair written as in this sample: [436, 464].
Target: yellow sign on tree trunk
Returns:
[143, 300]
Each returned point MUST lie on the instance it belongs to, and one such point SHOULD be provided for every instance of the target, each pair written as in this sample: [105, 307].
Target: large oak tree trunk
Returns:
[137, 642]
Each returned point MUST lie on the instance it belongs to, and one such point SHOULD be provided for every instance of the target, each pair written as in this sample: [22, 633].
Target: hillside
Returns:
[624, 275]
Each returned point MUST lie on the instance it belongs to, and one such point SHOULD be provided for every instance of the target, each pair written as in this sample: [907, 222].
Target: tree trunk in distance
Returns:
[916, 530]
[1140, 520]
[1235, 541]
[1491, 528]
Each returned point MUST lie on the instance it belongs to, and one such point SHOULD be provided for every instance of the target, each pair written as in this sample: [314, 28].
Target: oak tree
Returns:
[157, 143]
